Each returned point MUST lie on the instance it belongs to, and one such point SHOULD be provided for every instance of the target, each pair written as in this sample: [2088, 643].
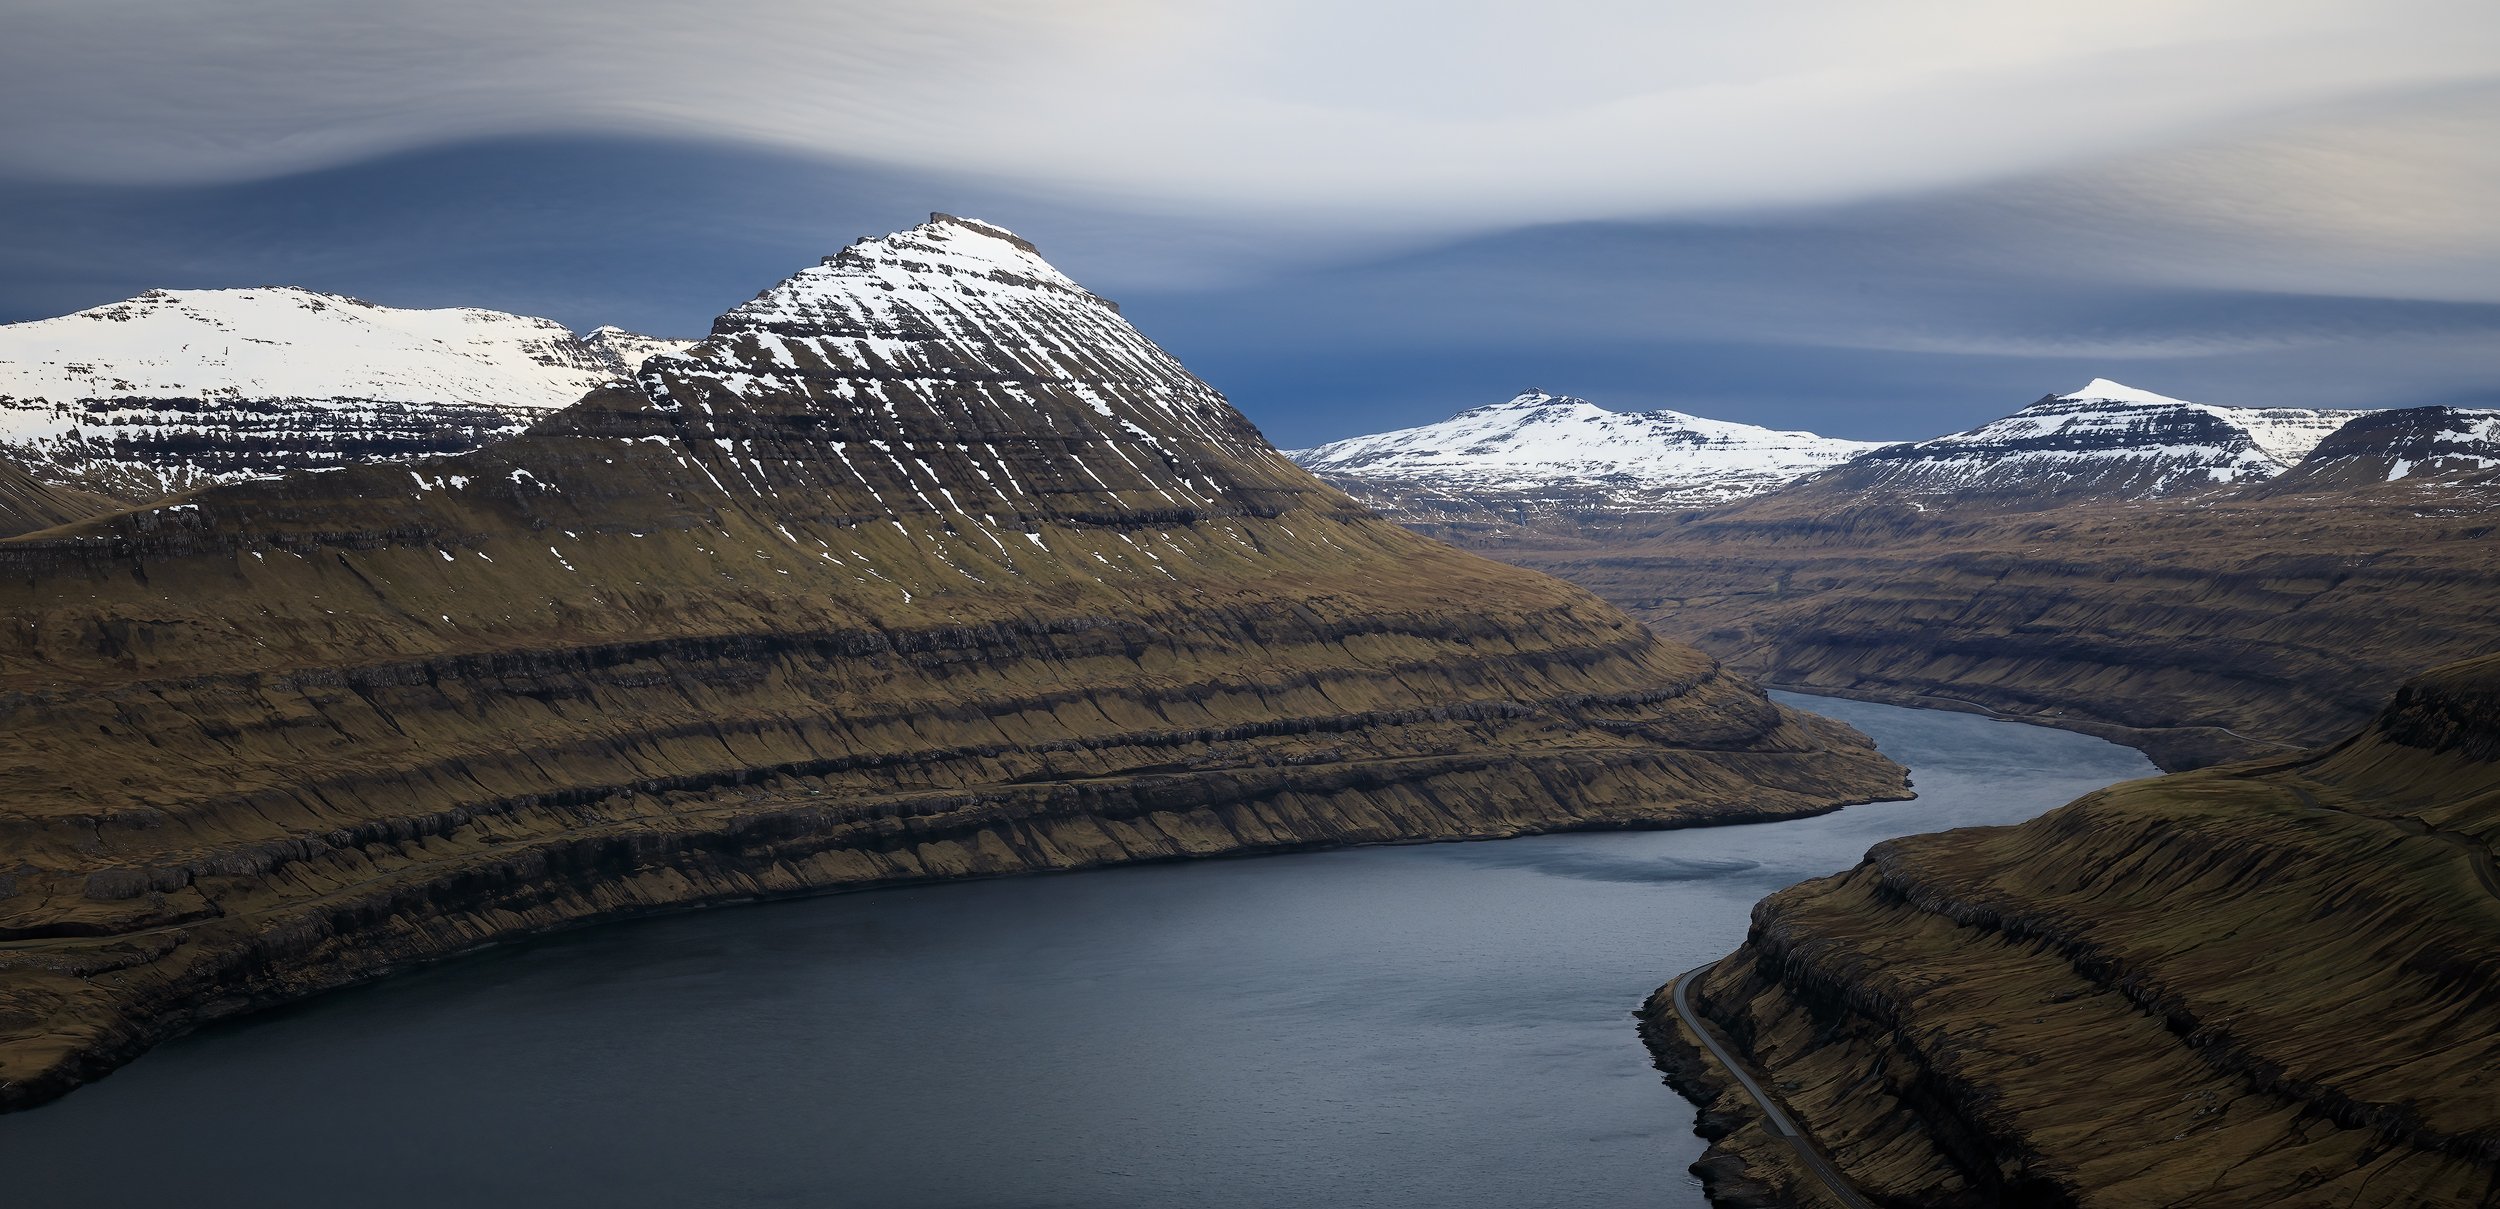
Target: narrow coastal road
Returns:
[1815, 1164]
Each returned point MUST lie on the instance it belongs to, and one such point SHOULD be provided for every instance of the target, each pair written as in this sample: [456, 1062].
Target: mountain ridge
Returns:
[2104, 441]
[175, 388]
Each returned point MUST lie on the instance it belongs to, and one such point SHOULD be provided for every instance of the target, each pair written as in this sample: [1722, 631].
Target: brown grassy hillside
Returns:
[2272, 984]
[925, 565]
[2216, 626]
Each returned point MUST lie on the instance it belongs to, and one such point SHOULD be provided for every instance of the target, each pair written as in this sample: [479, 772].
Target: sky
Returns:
[1881, 221]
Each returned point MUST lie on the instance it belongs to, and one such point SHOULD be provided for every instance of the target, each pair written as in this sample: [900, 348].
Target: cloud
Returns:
[1454, 114]
[1874, 220]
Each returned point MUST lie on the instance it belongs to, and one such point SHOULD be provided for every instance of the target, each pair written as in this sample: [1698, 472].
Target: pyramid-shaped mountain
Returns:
[925, 564]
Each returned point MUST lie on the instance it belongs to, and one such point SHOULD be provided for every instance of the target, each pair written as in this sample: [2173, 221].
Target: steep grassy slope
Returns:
[28, 504]
[925, 565]
[2217, 627]
[2271, 984]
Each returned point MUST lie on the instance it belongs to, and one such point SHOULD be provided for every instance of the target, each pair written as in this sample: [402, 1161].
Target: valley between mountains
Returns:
[2206, 583]
[352, 638]
[2268, 983]
[923, 565]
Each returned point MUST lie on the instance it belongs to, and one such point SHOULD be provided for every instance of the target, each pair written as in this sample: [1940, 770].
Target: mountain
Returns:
[2264, 986]
[2109, 561]
[175, 388]
[2412, 443]
[2199, 628]
[2106, 441]
[925, 564]
[1542, 455]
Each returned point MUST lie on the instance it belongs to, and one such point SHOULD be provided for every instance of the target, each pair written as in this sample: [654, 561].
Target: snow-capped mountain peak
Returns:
[950, 290]
[2106, 440]
[175, 387]
[1545, 451]
[2102, 390]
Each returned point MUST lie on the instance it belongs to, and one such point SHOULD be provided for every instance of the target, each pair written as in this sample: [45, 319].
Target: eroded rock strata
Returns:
[925, 565]
[2271, 984]
[2221, 627]
[175, 389]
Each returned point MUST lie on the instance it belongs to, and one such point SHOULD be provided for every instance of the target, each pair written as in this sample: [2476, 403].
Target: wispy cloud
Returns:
[1872, 219]
[1456, 112]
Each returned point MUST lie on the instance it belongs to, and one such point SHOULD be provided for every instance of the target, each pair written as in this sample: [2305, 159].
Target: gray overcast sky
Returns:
[1986, 186]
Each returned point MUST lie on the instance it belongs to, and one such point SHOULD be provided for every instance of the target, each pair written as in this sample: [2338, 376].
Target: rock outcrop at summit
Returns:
[177, 388]
[2270, 986]
[924, 565]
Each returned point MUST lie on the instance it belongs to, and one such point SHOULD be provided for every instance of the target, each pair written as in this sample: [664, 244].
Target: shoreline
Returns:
[1037, 847]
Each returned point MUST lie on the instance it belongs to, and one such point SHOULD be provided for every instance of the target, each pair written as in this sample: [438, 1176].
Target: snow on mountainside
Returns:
[2439, 445]
[2106, 440]
[177, 387]
[1544, 453]
[628, 350]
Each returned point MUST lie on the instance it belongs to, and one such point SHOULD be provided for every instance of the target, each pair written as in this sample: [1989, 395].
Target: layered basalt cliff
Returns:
[2105, 441]
[2272, 984]
[2222, 627]
[178, 388]
[2459, 444]
[925, 565]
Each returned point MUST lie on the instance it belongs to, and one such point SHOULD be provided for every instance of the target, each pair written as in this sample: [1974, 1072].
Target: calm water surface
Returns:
[1442, 1025]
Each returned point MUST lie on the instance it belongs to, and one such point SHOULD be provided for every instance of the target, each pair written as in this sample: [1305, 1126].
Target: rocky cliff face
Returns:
[2106, 441]
[1540, 459]
[2438, 444]
[925, 565]
[2203, 629]
[176, 388]
[2267, 985]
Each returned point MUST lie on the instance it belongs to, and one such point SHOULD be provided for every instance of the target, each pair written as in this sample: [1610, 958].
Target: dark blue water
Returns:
[1442, 1025]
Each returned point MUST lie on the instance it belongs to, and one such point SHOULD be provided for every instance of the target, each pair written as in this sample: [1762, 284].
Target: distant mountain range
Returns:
[1567, 464]
[175, 388]
[1793, 555]
[2105, 441]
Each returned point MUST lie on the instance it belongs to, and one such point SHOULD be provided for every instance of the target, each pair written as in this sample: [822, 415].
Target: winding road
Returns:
[1811, 1158]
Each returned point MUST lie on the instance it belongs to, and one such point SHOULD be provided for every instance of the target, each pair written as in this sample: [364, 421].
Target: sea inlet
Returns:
[1437, 1025]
